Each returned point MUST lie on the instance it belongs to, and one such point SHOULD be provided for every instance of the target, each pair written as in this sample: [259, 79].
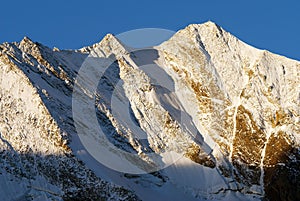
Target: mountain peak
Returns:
[206, 24]
[199, 33]
[26, 40]
[110, 40]
[231, 111]
[107, 46]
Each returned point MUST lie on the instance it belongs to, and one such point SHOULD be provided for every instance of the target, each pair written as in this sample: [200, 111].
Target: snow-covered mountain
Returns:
[229, 112]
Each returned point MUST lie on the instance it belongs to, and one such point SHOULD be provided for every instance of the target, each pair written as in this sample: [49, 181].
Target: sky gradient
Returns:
[272, 25]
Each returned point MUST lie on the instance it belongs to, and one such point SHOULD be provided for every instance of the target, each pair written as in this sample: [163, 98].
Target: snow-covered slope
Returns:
[35, 127]
[228, 112]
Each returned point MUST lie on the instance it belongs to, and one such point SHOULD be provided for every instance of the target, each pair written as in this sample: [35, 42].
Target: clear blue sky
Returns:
[272, 25]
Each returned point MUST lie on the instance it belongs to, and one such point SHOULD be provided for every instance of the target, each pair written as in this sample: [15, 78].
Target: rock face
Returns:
[240, 135]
